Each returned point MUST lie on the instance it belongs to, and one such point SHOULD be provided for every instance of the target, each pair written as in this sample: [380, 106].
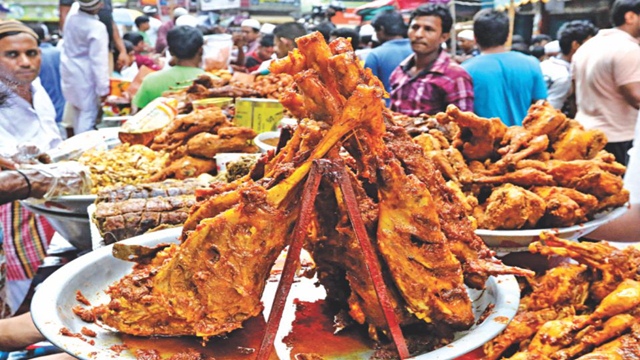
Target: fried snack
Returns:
[272, 86]
[123, 165]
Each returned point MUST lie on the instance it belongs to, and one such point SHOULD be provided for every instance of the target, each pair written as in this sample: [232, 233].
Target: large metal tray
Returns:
[94, 272]
[518, 240]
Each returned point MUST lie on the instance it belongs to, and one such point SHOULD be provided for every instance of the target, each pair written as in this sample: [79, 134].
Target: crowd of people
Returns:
[49, 92]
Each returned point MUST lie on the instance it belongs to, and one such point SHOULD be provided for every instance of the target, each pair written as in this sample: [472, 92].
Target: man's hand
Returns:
[123, 58]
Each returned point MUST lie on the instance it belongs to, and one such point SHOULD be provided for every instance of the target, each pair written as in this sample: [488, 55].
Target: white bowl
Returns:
[259, 140]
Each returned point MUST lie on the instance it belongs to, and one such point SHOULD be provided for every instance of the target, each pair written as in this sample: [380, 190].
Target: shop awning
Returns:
[503, 4]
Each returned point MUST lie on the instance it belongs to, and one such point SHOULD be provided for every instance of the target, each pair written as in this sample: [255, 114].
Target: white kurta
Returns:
[84, 62]
[22, 123]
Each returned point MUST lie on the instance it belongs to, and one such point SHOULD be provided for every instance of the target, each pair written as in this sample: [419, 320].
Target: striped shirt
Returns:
[429, 92]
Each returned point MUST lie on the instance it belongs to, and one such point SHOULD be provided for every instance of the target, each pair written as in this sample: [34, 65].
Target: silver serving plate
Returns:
[68, 204]
[95, 271]
[519, 240]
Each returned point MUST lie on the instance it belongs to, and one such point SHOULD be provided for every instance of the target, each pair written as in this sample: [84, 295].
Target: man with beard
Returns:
[428, 80]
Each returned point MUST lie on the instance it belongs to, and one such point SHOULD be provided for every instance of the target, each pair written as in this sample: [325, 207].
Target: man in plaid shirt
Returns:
[428, 80]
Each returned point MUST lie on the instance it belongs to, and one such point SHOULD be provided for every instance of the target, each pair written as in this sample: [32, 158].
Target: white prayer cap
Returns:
[552, 47]
[367, 30]
[267, 28]
[187, 20]
[466, 34]
[252, 23]
[179, 11]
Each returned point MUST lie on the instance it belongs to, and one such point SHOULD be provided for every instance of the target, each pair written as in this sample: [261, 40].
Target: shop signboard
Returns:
[210, 5]
[33, 10]
[275, 5]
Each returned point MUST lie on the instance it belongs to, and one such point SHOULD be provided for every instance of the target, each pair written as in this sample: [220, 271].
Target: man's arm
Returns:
[14, 186]
[18, 332]
[631, 93]
[117, 41]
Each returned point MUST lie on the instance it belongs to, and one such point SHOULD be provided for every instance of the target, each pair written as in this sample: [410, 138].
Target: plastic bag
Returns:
[62, 178]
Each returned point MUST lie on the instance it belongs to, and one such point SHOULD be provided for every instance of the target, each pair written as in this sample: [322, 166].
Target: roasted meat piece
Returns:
[576, 143]
[511, 207]
[565, 207]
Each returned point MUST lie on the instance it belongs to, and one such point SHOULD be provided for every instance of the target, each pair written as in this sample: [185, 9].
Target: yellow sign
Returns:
[259, 114]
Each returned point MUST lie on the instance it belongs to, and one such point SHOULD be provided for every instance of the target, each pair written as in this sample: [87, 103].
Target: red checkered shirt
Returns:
[432, 89]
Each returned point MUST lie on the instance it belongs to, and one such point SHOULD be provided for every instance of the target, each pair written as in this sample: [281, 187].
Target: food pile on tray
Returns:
[212, 282]
[584, 310]
[548, 173]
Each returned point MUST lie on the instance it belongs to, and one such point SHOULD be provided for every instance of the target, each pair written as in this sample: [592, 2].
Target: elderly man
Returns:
[429, 80]
[28, 116]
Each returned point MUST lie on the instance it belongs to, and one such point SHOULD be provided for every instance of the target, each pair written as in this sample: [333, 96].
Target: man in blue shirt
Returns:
[50, 71]
[391, 32]
[505, 83]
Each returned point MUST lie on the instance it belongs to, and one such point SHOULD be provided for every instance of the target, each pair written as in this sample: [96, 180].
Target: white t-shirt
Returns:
[632, 176]
[557, 76]
[600, 66]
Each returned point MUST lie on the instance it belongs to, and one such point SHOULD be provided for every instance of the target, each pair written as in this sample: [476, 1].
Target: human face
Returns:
[425, 35]
[144, 26]
[466, 45]
[19, 59]
[249, 33]
[265, 52]
[282, 46]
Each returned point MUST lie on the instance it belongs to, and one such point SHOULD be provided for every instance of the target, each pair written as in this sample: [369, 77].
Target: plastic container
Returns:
[217, 51]
[267, 140]
[148, 122]
[259, 114]
[202, 104]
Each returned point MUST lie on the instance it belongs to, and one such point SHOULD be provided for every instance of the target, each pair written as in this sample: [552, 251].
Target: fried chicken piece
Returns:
[544, 119]
[231, 139]
[586, 176]
[523, 326]
[612, 328]
[576, 143]
[623, 348]
[526, 177]
[561, 286]
[185, 167]
[511, 207]
[479, 136]
[554, 335]
[614, 265]
[613, 201]
[180, 130]
[433, 140]
[565, 207]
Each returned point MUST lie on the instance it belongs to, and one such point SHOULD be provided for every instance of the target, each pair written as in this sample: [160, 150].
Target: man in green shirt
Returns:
[185, 45]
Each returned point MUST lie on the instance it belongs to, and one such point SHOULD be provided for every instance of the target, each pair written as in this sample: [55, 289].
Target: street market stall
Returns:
[388, 209]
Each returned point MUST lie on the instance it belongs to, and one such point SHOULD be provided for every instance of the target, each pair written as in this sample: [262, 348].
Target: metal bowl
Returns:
[74, 228]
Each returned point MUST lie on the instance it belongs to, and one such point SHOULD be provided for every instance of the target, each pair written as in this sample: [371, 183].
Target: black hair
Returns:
[437, 10]
[537, 39]
[392, 23]
[491, 28]
[128, 45]
[133, 36]
[576, 30]
[267, 40]
[325, 28]
[290, 30]
[12, 33]
[516, 38]
[37, 28]
[620, 8]
[141, 20]
[184, 41]
[346, 32]
[537, 51]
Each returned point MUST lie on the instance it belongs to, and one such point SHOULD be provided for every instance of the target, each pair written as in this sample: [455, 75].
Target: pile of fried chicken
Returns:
[193, 140]
[587, 310]
[213, 281]
[550, 172]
